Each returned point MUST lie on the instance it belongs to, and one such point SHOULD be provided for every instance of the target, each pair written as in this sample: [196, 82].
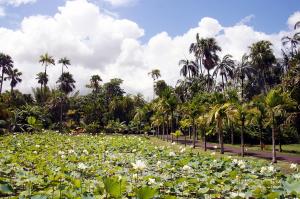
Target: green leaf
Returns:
[113, 186]
[6, 188]
[146, 193]
[293, 187]
[39, 197]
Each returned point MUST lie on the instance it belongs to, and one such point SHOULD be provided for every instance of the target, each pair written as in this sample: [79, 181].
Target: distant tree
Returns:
[6, 64]
[189, 68]
[42, 79]
[155, 74]
[66, 83]
[95, 83]
[226, 69]
[14, 77]
[46, 60]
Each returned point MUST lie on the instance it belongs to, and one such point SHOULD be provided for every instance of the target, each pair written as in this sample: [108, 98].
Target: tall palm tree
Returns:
[95, 83]
[14, 77]
[218, 114]
[276, 101]
[46, 60]
[66, 83]
[242, 71]
[155, 74]
[65, 62]
[294, 41]
[262, 58]
[209, 57]
[189, 68]
[225, 68]
[6, 64]
[197, 49]
[42, 79]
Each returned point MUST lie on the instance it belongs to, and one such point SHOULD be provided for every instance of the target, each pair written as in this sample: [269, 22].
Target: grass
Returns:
[284, 166]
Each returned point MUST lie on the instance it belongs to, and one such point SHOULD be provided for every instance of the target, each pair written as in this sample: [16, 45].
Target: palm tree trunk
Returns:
[194, 134]
[2, 79]
[223, 86]
[12, 91]
[204, 141]
[242, 138]
[242, 89]
[172, 126]
[208, 79]
[260, 138]
[190, 135]
[232, 134]
[163, 137]
[221, 141]
[274, 160]
[279, 139]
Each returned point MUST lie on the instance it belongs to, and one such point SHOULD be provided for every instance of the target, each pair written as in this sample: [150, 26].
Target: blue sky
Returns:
[176, 16]
[129, 38]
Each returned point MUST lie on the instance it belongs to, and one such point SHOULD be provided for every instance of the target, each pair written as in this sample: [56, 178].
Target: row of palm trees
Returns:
[196, 104]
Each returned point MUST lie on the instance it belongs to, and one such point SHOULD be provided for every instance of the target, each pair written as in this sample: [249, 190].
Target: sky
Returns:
[128, 38]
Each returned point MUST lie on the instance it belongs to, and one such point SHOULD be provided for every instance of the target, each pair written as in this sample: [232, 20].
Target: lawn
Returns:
[50, 165]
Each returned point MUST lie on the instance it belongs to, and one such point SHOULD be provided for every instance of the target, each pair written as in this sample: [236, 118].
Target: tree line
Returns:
[217, 99]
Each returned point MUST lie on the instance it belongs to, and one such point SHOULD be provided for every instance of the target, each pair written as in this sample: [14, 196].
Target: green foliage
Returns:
[146, 193]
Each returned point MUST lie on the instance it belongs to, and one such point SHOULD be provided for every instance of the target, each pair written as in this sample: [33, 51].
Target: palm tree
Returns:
[6, 63]
[294, 41]
[262, 58]
[94, 83]
[197, 49]
[225, 68]
[66, 83]
[155, 74]
[46, 60]
[42, 79]
[14, 77]
[189, 68]
[276, 101]
[218, 114]
[209, 55]
[242, 71]
[65, 62]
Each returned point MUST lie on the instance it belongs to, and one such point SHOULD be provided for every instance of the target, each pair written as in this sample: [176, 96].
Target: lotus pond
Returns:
[50, 165]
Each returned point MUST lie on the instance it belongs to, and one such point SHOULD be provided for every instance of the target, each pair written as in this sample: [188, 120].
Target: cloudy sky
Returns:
[129, 38]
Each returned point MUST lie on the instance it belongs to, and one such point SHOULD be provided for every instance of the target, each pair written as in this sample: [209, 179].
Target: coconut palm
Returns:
[209, 55]
[65, 62]
[218, 114]
[42, 79]
[6, 64]
[276, 101]
[197, 49]
[46, 60]
[14, 77]
[155, 74]
[189, 68]
[242, 71]
[262, 58]
[66, 83]
[95, 83]
[225, 68]
[294, 41]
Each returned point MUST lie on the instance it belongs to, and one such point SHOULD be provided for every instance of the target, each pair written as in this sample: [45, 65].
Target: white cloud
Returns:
[121, 2]
[246, 19]
[293, 19]
[98, 43]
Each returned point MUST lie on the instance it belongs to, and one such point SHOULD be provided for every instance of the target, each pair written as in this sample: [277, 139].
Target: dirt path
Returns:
[258, 154]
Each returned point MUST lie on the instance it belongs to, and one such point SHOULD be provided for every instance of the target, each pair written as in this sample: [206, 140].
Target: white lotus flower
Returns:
[187, 168]
[215, 147]
[158, 163]
[63, 156]
[182, 150]
[37, 146]
[173, 143]
[172, 153]
[139, 165]
[35, 152]
[71, 151]
[241, 164]
[85, 151]
[271, 168]
[82, 166]
[213, 153]
[61, 153]
[151, 181]
[293, 166]
[263, 170]
[234, 195]
[135, 176]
